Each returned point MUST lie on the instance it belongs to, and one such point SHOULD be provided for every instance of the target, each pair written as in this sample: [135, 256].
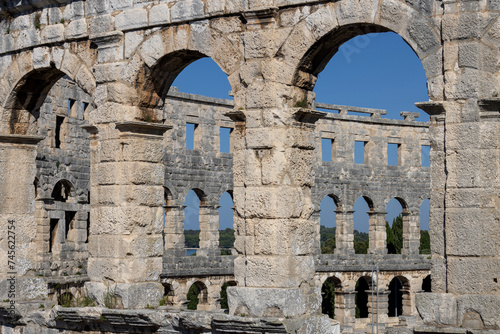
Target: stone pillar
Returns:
[275, 232]
[316, 218]
[125, 246]
[381, 304]
[344, 234]
[411, 234]
[377, 233]
[209, 231]
[345, 307]
[174, 230]
[18, 223]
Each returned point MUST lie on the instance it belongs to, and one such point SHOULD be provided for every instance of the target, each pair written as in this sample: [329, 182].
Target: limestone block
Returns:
[266, 302]
[269, 202]
[159, 14]
[74, 11]
[85, 80]
[467, 25]
[132, 41]
[298, 42]
[100, 24]
[472, 232]
[423, 35]
[130, 19]
[152, 49]
[21, 22]
[486, 306]
[463, 275]
[27, 38]
[126, 220]
[277, 271]
[393, 15]
[141, 173]
[356, 11]
[226, 25]
[186, 10]
[76, 29]
[322, 21]
[437, 308]
[52, 33]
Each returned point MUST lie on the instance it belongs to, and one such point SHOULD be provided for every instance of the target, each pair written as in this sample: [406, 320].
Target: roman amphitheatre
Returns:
[94, 170]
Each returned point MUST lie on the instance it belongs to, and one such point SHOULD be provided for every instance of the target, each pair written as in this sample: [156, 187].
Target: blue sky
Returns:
[373, 71]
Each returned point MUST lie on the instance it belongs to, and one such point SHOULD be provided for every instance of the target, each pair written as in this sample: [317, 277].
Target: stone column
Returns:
[344, 234]
[125, 246]
[411, 234]
[174, 230]
[345, 307]
[18, 223]
[377, 233]
[381, 304]
[275, 232]
[209, 231]
[316, 219]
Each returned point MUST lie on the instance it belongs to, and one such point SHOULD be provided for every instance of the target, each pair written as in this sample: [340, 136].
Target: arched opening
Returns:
[223, 294]
[197, 294]
[328, 223]
[394, 225]
[167, 207]
[362, 224]
[62, 191]
[365, 66]
[328, 289]
[361, 300]
[425, 239]
[226, 230]
[168, 295]
[399, 288]
[426, 284]
[194, 199]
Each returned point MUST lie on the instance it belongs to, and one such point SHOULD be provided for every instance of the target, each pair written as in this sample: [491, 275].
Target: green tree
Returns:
[192, 238]
[395, 235]
[425, 242]
[328, 301]
[328, 247]
[361, 242]
[223, 297]
[192, 297]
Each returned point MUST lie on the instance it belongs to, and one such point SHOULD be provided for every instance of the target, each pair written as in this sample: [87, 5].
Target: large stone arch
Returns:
[158, 60]
[315, 39]
[28, 79]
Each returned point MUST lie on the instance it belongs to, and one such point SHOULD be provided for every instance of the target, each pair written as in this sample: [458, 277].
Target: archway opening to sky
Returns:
[425, 239]
[394, 226]
[192, 220]
[376, 70]
[205, 77]
[328, 224]
[361, 225]
[226, 229]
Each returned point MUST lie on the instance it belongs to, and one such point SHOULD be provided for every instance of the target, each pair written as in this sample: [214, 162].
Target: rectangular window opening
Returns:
[225, 140]
[190, 135]
[59, 122]
[85, 105]
[393, 154]
[71, 103]
[70, 222]
[54, 224]
[327, 149]
[359, 152]
[88, 228]
[425, 156]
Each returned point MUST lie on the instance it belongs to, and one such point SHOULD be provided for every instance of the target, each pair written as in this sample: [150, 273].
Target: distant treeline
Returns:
[327, 238]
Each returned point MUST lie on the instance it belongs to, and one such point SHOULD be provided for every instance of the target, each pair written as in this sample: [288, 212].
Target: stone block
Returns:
[484, 306]
[159, 14]
[131, 19]
[76, 29]
[272, 302]
[463, 275]
[437, 308]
